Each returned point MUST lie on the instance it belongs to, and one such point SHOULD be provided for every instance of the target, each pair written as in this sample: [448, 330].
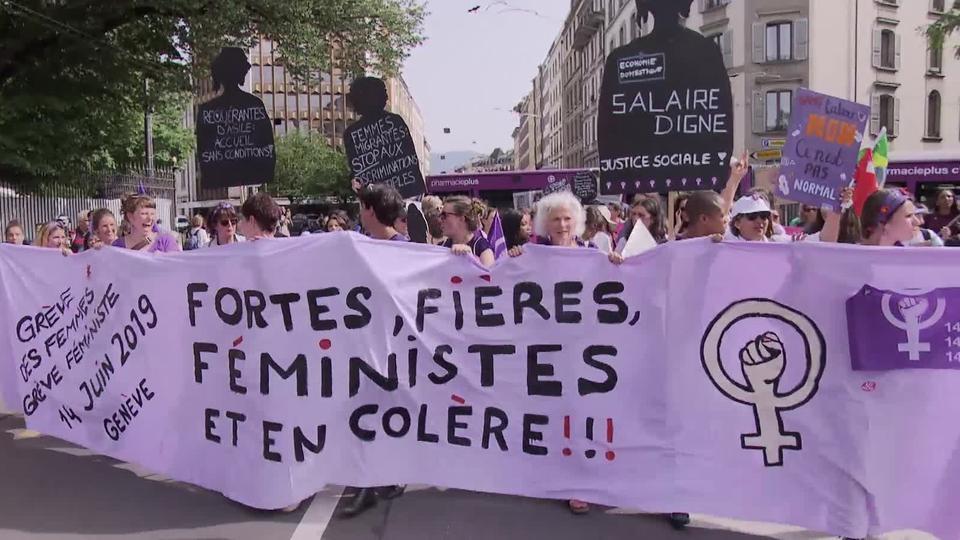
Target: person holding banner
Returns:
[223, 225]
[381, 208]
[647, 211]
[889, 218]
[598, 227]
[516, 228]
[261, 214]
[13, 233]
[52, 235]
[104, 226]
[560, 222]
[460, 219]
[140, 211]
[706, 216]
[924, 237]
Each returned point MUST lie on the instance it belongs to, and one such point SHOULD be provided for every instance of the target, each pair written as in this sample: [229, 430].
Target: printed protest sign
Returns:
[379, 146]
[666, 113]
[820, 155]
[234, 132]
[656, 384]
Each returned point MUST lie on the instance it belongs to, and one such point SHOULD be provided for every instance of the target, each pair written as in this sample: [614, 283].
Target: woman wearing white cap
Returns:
[749, 220]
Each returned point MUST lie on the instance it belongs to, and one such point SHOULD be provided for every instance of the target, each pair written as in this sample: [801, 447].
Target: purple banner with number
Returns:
[904, 330]
[820, 156]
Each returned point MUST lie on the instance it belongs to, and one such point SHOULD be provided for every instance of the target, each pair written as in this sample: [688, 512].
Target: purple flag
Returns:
[497, 240]
[909, 330]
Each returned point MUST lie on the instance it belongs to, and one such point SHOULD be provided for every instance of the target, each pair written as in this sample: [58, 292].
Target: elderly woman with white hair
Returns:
[560, 221]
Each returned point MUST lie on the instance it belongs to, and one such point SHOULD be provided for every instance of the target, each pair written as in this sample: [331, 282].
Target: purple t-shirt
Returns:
[399, 238]
[164, 243]
[478, 244]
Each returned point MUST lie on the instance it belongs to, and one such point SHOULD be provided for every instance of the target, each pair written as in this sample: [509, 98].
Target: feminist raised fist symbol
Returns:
[763, 361]
[912, 309]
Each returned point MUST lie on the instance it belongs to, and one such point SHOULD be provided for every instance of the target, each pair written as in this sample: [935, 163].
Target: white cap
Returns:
[605, 212]
[751, 204]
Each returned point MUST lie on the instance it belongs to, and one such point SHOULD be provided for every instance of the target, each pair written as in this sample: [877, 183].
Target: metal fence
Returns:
[96, 190]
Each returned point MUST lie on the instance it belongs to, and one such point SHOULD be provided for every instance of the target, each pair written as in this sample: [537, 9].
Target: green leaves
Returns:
[948, 23]
[72, 73]
[309, 169]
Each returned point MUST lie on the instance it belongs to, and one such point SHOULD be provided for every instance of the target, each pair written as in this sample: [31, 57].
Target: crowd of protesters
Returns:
[465, 226]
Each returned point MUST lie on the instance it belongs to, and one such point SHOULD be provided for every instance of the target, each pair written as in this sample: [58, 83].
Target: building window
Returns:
[938, 6]
[778, 109]
[888, 114]
[706, 5]
[933, 115]
[888, 49]
[935, 60]
[779, 41]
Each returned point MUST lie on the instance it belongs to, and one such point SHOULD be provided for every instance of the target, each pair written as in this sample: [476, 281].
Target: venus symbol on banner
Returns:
[763, 361]
[912, 308]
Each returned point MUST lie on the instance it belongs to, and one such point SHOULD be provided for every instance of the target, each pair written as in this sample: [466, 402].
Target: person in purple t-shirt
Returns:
[140, 211]
[381, 208]
[460, 219]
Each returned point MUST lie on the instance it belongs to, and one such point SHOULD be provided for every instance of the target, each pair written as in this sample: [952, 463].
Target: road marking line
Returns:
[317, 517]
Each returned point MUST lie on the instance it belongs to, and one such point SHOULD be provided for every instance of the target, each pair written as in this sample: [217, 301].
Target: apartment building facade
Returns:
[870, 51]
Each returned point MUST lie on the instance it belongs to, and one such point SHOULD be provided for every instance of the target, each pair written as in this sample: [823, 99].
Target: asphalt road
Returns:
[54, 490]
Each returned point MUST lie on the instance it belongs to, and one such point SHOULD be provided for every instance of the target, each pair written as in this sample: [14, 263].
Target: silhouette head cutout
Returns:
[665, 12]
[229, 68]
[368, 95]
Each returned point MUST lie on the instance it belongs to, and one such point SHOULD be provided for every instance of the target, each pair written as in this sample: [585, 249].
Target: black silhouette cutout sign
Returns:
[234, 133]
[379, 147]
[666, 110]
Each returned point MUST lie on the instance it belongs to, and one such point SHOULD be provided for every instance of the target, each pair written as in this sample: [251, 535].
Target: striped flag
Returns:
[497, 241]
[866, 181]
[881, 161]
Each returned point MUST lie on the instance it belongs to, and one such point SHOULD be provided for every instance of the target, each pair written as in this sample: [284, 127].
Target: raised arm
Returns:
[737, 171]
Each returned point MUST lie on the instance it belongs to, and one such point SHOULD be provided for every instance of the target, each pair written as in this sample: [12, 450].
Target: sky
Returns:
[473, 64]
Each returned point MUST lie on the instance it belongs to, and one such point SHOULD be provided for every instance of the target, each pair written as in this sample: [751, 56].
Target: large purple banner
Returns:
[822, 147]
[715, 379]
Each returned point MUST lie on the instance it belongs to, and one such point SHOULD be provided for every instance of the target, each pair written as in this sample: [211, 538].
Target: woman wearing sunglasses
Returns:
[460, 220]
[223, 225]
[140, 213]
[749, 220]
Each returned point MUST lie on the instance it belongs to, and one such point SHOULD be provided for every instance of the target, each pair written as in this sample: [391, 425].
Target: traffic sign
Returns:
[773, 154]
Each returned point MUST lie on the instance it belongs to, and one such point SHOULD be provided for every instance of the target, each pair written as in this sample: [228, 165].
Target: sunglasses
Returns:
[809, 209]
[757, 215]
[444, 214]
[228, 222]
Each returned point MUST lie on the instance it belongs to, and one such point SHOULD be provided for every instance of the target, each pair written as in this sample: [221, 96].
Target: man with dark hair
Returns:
[380, 208]
[706, 215]
[260, 217]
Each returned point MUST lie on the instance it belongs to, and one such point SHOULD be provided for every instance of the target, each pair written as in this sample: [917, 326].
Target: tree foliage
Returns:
[309, 169]
[944, 27]
[72, 71]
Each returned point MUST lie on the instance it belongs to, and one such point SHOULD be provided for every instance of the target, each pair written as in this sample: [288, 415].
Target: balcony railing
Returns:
[590, 21]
